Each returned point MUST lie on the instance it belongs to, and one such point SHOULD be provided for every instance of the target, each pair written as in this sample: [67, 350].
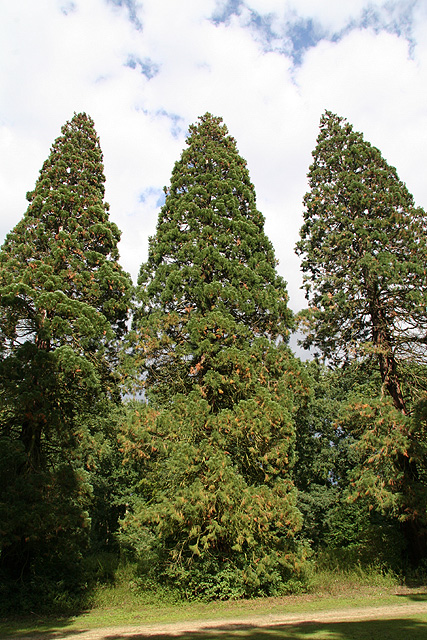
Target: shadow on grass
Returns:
[416, 597]
[33, 627]
[391, 629]
[408, 629]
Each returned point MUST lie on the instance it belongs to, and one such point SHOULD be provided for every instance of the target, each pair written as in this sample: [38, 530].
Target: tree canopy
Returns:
[196, 445]
[64, 300]
[363, 256]
[211, 268]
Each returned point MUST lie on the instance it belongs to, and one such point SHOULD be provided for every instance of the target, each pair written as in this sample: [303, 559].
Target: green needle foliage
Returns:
[217, 505]
[363, 249]
[211, 268]
[364, 253]
[64, 301]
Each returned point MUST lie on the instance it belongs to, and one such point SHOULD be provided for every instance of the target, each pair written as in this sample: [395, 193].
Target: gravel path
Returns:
[270, 620]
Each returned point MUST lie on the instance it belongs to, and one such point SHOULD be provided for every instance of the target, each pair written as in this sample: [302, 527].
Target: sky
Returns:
[144, 70]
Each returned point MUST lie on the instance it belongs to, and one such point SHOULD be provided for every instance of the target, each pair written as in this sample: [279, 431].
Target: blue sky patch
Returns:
[393, 17]
[296, 35]
[225, 9]
[150, 192]
[177, 127]
[132, 7]
[293, 38]
[161, 199]
[262, 25]
[147, 67]
[68, 7]
[302, 35]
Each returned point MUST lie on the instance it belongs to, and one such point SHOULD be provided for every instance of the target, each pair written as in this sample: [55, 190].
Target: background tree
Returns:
[343, 532]
[63, 303]
[217, 499]
[363, 248]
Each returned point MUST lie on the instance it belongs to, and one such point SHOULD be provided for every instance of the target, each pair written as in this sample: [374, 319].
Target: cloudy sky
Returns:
[146, 69]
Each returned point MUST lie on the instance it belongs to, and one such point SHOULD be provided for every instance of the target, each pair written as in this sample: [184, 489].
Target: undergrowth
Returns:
[335, 572]
[130, 588]
[123, 585]
[127, 587]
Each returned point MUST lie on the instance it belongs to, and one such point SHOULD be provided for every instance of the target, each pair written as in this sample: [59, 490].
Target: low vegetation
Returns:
[123, 598]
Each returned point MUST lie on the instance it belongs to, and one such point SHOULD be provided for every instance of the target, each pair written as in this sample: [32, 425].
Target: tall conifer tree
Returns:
[211, 270]
[63, 302]
[212, 327]
[364, 251]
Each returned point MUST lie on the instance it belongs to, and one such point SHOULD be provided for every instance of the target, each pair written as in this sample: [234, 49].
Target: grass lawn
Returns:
[118, 608]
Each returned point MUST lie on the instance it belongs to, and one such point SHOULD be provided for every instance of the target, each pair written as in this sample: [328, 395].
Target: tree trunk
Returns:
[31, 439]
[414, 530]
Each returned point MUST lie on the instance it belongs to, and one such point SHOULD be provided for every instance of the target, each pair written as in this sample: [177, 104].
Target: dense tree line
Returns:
[235, 462]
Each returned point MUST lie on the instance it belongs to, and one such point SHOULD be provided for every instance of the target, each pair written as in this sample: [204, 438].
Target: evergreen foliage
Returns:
[64, 301]
[210, 270]
[217, 503]
[363, 248]
[341, 529]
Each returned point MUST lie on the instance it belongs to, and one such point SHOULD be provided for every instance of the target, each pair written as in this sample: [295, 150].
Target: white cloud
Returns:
[372, 81]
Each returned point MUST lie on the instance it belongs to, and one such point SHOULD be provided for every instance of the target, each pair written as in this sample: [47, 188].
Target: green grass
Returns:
[131, 602]
[403, 628]
[413, 627]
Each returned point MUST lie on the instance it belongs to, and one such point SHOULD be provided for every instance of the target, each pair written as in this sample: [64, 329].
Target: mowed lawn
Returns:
[242, 620]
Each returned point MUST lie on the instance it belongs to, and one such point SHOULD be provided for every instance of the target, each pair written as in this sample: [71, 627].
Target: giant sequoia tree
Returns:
[364, 251]
[63, 301]
[211, 268]
[217, 501]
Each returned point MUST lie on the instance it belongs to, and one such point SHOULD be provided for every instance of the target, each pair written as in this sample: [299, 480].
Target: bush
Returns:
[220, 578]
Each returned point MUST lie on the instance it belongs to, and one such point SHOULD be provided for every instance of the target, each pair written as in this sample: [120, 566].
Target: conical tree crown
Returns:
[64, 250]
[210, 282]
[218, 441]
[63, 296]
[362, 247]
[210, 250]
[63, 301]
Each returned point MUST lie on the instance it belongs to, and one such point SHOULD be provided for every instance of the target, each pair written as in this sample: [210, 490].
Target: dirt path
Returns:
[259, 621]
